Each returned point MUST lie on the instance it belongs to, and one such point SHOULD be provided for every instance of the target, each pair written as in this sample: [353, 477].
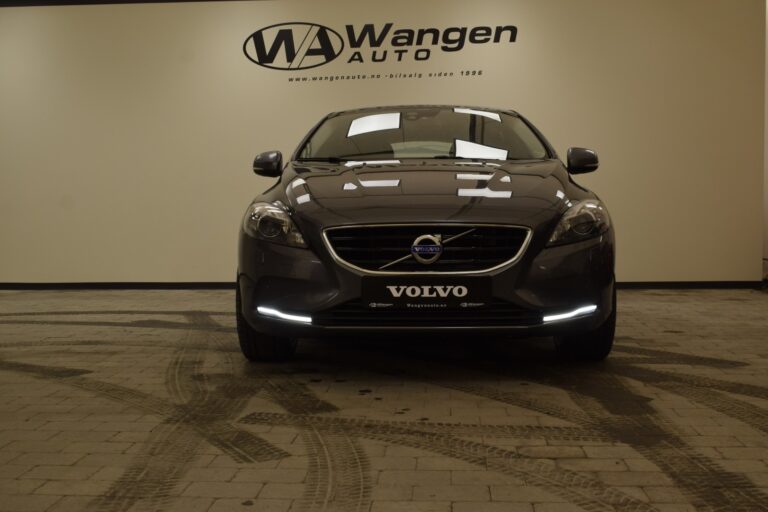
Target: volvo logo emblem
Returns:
[427, 249]
[292, 46]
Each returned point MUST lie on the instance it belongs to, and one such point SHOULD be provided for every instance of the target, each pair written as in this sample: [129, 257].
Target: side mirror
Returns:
[269, 164]
[582, 160]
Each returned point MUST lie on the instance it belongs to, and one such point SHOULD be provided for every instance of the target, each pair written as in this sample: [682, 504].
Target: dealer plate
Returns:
[426, 292]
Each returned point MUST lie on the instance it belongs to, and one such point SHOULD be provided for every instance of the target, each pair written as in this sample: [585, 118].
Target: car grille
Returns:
[371, 247]
[356, 313]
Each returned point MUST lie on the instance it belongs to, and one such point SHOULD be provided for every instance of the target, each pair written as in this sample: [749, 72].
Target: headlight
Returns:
[271, 222]
[583, 220]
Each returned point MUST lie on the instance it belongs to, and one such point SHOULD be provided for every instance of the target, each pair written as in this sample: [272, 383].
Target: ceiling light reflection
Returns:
[475, 177]
[484, 192]
[380, 183]
[489, 115]
[374, 123]
[466, 149]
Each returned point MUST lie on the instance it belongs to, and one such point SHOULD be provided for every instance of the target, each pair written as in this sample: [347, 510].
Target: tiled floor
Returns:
[140, 400]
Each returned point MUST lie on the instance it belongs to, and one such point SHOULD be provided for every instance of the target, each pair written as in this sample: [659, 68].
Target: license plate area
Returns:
[426, 292]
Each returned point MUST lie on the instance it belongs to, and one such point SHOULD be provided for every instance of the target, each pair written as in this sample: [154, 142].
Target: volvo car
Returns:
[412, 221]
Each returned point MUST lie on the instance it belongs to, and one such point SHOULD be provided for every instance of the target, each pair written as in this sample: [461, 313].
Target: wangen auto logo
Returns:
[299, 45]
[292, 46]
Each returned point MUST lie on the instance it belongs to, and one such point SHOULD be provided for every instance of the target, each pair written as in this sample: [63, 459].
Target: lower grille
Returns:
[465, 247]
[356, 313]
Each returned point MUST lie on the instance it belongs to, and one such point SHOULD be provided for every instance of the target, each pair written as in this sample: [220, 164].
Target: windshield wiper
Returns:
[329, 159]
[368, 154]
[449, 157]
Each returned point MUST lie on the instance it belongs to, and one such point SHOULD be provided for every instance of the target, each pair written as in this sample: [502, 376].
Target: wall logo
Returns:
[293, 46]
[299, 45]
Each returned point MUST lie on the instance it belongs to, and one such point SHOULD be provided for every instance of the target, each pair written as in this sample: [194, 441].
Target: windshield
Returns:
[423, 132]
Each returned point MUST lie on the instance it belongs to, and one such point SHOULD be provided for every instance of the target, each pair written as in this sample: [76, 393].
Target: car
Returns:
[426, 220]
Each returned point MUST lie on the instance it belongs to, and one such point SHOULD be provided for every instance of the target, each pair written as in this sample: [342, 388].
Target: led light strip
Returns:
[283, 316]
[586, 310]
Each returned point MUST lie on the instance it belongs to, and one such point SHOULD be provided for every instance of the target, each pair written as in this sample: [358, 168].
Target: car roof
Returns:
[408, 107]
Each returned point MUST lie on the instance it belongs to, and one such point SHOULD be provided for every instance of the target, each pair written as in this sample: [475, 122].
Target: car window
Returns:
[424, 132]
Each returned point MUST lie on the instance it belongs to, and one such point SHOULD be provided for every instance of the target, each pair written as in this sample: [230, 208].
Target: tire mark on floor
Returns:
[112, 312]
[240, 445]
[161, 344]
[339, 470]
[656, 356]
[73, 377]
[699, 389]
[585, 491]
[165, 456]
[358, 425]
[679, 384]
[150, 482]
[42, 371]
[589, 493]
[201, 416]
[698, 381]
[706, 485]
[703, 481]
[151, 324]
[446, 378]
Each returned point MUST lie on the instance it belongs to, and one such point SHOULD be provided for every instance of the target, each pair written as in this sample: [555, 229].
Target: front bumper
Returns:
[294, 292]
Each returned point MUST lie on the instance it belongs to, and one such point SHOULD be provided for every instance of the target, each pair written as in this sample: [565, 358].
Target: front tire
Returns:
[594, 345]
[257, 346]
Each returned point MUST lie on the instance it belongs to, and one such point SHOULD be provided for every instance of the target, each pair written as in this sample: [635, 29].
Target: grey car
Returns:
[426, 220]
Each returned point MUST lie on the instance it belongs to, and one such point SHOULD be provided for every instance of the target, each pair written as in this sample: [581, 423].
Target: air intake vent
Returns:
[496, 314]
[462, 247]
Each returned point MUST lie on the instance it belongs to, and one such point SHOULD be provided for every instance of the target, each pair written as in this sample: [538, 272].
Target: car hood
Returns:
[525, 193]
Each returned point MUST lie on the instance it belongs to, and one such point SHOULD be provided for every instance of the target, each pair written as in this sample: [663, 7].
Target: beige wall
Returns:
[127, 131]
[765, 176]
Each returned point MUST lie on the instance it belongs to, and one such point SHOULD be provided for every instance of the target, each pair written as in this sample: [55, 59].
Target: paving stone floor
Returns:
[140, 401]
